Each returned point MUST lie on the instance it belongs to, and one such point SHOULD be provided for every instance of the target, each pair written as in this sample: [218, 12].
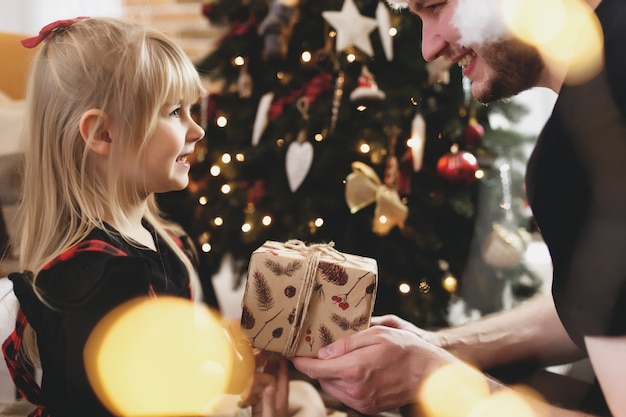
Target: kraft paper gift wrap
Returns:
[300, 298]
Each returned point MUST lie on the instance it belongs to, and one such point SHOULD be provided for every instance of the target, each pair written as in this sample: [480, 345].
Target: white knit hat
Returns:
[398, 4]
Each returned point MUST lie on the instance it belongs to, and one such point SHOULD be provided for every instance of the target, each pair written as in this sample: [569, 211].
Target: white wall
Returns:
[539, 103]
[29, 16]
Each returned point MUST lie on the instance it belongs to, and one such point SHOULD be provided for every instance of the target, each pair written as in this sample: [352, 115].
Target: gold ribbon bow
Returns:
[363, 187]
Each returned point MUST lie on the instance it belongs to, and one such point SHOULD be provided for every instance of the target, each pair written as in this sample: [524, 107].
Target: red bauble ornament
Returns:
[458, 167]
[474, 132]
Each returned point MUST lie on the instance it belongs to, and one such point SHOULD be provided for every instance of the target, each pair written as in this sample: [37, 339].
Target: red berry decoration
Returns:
[458, 167]
[474, 132]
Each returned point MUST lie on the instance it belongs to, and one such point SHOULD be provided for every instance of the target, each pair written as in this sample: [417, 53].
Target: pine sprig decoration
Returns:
[359, 323]
[333, 273]
[345, 324]
[263, 292]
[278, 270]
[326, 336]
[342, 322]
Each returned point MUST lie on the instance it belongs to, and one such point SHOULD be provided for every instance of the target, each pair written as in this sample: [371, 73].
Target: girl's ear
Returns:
[94, 129]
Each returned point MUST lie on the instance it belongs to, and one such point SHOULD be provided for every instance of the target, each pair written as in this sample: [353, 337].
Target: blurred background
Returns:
[312, 104]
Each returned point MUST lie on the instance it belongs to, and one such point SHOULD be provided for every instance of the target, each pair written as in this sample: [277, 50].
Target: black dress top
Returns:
[80, 291]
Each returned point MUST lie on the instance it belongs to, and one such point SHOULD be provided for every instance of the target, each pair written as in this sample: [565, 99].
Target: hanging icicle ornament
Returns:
[261, 119]
[367, 88]
[353, 28]
[299, 156]
[417, 142]
[383, 18]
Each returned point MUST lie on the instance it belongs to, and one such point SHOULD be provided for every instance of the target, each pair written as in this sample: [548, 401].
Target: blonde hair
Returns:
[129, 72]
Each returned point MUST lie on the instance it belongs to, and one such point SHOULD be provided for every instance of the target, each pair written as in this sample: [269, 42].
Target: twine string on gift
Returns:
[325, 248]
[313, 253]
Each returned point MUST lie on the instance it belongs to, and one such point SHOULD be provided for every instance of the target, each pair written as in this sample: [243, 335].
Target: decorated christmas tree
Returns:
[324, 123]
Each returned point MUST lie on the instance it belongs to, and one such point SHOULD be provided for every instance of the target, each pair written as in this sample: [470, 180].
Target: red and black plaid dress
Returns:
[82, 285]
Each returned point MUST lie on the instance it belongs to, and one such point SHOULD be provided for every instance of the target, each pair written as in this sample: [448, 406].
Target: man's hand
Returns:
[377, 369]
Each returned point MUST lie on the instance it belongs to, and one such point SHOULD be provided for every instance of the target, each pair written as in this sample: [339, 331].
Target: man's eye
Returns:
[435, 6]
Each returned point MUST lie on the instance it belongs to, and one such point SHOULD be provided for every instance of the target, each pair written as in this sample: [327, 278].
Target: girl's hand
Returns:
[268, 392]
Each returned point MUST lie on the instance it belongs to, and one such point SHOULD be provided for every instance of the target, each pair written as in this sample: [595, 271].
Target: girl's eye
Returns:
[176, 112]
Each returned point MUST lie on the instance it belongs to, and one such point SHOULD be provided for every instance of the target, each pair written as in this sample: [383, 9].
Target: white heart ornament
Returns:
[298, 161]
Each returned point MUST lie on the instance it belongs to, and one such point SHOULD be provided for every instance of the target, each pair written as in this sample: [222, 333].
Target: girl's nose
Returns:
[196, 133]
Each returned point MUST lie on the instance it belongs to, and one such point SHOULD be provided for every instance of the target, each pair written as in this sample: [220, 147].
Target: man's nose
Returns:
[433, 44]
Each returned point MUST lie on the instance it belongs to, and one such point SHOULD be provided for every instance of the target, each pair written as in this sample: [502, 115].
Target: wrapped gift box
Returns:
[300, 298]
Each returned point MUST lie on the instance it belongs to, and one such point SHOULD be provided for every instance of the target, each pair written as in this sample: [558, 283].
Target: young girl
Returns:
[108, 124]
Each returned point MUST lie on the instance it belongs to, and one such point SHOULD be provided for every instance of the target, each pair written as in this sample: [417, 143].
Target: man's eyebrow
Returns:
[415, 4]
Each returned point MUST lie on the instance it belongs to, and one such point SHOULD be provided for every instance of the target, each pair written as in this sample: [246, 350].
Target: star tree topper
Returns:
[353, 29]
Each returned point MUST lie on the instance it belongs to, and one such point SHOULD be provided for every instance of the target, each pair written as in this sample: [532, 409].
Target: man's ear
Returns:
[94, 129]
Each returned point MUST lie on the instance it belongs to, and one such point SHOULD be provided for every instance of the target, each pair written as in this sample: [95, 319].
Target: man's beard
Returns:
[515, 66]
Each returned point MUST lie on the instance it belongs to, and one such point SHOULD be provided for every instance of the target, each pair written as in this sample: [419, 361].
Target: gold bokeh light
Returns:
[164, 356]
[567, 34]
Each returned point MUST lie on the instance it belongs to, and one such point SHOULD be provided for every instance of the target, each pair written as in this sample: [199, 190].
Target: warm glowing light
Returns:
[413, 142]
[364, 148]
[203, 200]
[225, 189]
[566, 32]
[350, 58]
[393, 32]
[504, 403]
[226, 158]
[404, 288]
[457, 381]
[383, 219]
[361, 107]
[221, 121]
[319, 222]
[306, 56]
[215, 170]
[206, 247]
[194, 353]
[246, 227]
[240, 157]
[280, 142]
[450, 283]
[218, 221]
[318, 137]
[280, 75]
[239, 61]
[266, 220]
[469, 157]
[479, 174]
